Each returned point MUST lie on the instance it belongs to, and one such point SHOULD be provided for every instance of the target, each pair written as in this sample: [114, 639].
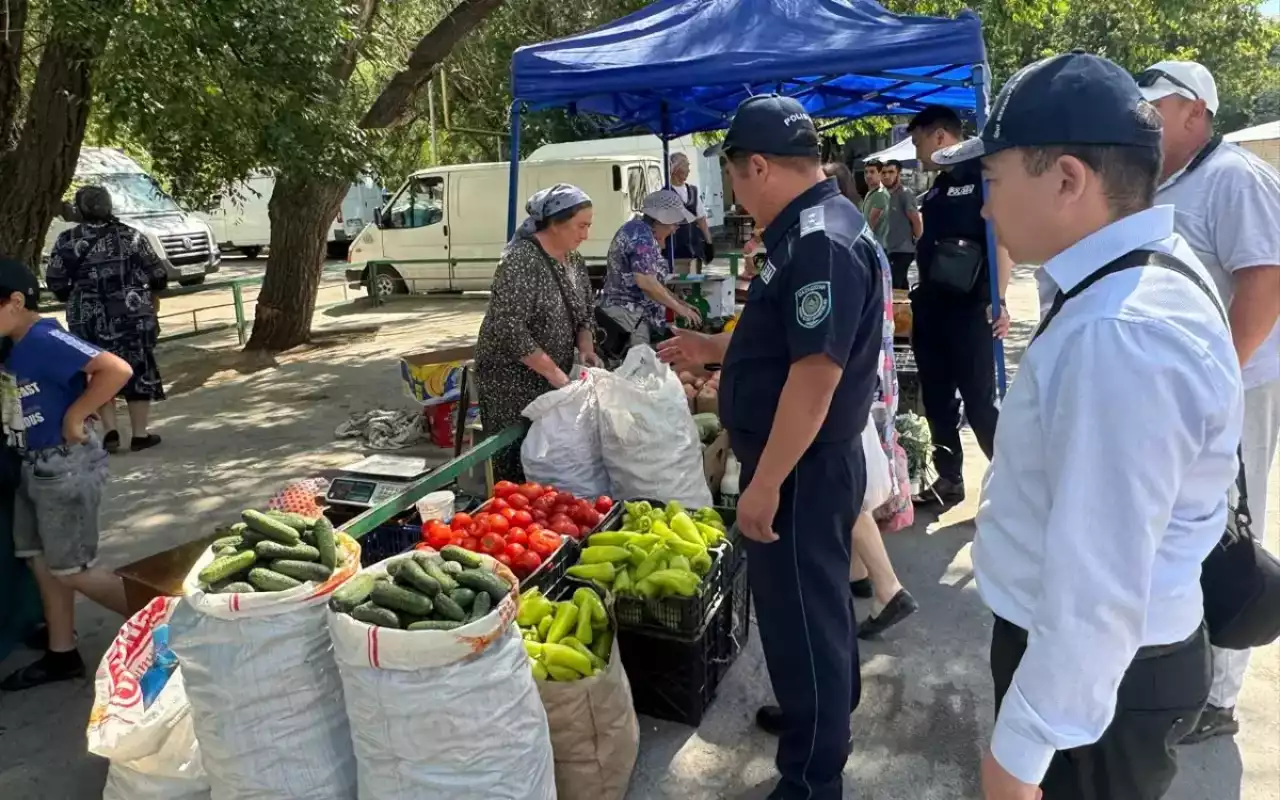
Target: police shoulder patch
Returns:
[812, 220]
[767, 273]
[813, 303]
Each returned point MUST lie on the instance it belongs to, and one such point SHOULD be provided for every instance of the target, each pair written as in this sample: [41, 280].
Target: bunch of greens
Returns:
[914, 436]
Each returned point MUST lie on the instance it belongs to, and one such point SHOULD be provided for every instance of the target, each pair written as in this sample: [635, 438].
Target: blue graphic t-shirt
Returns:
[43, 376]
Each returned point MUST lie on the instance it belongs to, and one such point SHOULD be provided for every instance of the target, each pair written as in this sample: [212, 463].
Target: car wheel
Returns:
[388, 282]
[191, 281]
[251, 252]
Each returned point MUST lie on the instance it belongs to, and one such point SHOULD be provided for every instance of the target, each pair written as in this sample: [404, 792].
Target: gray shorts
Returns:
[56, 505]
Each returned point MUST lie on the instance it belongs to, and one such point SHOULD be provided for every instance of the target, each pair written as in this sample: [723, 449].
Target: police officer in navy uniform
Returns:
[799, 373]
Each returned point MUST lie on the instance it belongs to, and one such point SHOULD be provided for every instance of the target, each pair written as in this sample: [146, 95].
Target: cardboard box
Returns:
[435, 377]
[714, 458]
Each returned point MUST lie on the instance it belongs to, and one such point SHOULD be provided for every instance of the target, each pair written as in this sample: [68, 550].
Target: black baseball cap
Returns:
[1075, 98]
[15, 277]
[772, 125]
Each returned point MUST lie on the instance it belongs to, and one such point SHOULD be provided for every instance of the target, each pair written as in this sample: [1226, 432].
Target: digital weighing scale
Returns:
[374, 480]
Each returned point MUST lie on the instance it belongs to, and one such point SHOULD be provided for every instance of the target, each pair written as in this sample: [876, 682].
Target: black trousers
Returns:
[899, 265]
[952, 345]
[804, 611]
[1161, 696]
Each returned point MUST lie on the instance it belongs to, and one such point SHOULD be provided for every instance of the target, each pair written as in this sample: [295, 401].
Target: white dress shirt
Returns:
[1113, 458]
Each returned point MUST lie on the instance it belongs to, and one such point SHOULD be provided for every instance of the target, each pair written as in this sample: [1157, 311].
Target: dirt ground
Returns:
[236, 429]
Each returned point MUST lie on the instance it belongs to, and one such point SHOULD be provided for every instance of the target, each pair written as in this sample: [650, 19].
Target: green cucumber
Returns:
[326, 542]
[228, 541]
[302, 570]
[481, 607]
[446, 581]
[445, 607]
[451, 568]
[296, 521]
[393, 566]
[435, 625]
[219, 552]
[265, 580]
[236, 587]
[484, 581]
[268, 549]
[463, 596]
[353, 592]
[413, 576]
[374, 614]
[398, 598]
[222, 568]
[461, 556]
[270, 527]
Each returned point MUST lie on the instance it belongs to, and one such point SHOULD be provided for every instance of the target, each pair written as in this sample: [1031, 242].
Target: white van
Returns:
[182, 240]
[704, 170]
[445, 228]
[242, 222]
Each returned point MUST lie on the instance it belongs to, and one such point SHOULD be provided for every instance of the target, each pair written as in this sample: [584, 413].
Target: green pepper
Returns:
[615, 538]
[701, 563]
[651, 562]
[680, 547]
[673, 508]
[594, 572]
[646, 588]
[539, 670]
[603, 554]
[562, 674]
[599, 617]
[534, 649]
[622, 581]
[676, 581]
[710, 535]
[583, 632]
[683, 527]
[603, 645]
[533, 607]
[566, 618]
[710, 516]
[679, 562]
[544, 627]
[559, 655]
[597, 663]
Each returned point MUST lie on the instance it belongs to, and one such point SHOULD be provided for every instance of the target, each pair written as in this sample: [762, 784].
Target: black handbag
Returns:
[956, 265]
[1240, 579]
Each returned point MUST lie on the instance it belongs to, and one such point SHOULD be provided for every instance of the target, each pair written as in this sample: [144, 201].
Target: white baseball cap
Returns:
[666, 207]
[1184, 78]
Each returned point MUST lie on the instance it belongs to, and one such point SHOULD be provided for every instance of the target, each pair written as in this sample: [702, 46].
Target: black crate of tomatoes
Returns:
[532, 529]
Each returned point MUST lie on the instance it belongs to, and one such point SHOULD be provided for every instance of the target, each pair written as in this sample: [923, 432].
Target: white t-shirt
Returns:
[683, 192]
[1228, 210]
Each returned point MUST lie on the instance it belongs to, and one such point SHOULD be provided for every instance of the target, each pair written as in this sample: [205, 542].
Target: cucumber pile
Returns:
[423, 591]
[271, 552]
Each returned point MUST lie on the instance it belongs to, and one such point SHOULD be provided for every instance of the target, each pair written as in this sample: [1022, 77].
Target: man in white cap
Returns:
[1227, 207]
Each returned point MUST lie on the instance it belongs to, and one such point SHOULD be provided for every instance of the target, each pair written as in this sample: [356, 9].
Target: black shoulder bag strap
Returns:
[1152, 258]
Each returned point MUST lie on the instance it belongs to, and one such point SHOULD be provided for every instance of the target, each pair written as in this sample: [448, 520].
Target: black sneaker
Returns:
[769, 720]
[1214, 721]
[943, 492]
[111, 442]
[896, 610]
[144, 442]
[50, 668]
[862, 588]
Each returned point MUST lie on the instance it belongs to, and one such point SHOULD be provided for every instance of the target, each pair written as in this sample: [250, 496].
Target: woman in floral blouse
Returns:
[539, 310]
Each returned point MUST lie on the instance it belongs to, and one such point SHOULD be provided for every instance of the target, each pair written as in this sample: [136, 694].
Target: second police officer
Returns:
[799, 372]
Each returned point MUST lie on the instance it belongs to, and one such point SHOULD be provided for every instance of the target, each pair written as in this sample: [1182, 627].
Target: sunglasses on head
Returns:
[1151, 77]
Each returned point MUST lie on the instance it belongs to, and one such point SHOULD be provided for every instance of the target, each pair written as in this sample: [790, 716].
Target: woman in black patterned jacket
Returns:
[539, 311]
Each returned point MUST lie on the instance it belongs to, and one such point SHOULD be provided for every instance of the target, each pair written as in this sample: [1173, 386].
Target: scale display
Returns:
[352, 491]
[374, 480]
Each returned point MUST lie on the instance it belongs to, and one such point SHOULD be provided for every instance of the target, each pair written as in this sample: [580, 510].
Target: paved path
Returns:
[235, 431]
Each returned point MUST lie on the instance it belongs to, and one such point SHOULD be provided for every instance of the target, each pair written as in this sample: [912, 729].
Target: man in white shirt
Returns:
[1115, 451]
[691, 243]
[1227, 207]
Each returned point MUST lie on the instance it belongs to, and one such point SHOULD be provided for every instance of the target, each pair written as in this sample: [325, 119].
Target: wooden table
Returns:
[161, 575]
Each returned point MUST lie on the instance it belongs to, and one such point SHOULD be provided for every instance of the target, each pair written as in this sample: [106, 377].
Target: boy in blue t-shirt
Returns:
[51, 385]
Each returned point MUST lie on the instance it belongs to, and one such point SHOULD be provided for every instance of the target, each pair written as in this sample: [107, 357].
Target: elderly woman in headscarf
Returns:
[106, 273]
[539, 311]
[691, 242]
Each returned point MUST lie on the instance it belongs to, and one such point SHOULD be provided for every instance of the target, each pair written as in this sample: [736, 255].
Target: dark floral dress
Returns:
[106, 272]
[536, 303]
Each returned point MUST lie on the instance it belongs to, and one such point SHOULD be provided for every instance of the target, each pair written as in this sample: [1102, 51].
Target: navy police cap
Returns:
[772, 125]
[1070, 99]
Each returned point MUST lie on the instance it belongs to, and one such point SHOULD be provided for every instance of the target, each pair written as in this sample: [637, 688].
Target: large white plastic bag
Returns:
[153, 750]
[879, 481]
[648, 438]
[562, 447]
[265, 694]
[446, 715]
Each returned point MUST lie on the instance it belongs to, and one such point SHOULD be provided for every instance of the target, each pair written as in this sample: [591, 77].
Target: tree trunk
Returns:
[301, 210]
[13, 22]
[37, 171]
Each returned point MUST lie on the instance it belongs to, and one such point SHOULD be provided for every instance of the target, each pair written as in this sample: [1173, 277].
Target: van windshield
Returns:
[134, 194]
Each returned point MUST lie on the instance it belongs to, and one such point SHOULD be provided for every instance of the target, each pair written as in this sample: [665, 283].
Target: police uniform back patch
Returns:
[813, 303]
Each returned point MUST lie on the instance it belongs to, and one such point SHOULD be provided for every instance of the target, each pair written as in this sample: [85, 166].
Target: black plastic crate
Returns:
[553, 569]
[676, 677]
[386, 541]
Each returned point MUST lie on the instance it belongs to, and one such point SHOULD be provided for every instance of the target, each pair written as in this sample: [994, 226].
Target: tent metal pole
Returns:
[513, 188]
[981, 74]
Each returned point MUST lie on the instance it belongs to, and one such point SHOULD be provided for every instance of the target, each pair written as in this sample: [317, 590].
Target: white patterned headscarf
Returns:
[547, 203]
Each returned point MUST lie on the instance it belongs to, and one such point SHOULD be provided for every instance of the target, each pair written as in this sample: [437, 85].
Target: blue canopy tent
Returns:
[681, 66]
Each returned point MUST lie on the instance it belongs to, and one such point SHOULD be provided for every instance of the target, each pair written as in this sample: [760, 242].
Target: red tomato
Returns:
[544, 504]
[470, 543]
[518, 536]
[566, 527]
[531, 490]
[492, 543]
[604, 504]
[539, 516]
[440, 538]
[509, 513]
[519, 501]
[544, 543]
[505, 560]
[565, 499]
[534, 528]
[514, 551]
[498, 524]
[460, 522]
[559, 519]
[422, 546]
[529, 561]
[521, 519]
[504, 488]
[497, 504]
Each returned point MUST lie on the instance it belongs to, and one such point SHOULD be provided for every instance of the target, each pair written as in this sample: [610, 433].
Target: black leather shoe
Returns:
[50, 668]
[862, 588]
[896, 610]
[943, 492]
